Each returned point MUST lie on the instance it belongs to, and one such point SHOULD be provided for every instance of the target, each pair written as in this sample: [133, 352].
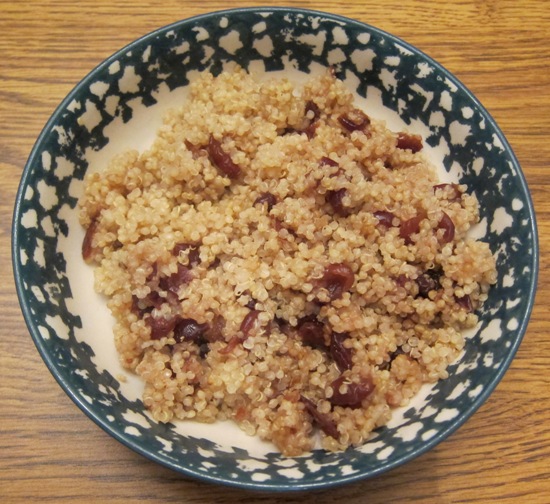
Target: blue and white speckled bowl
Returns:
[120, 104]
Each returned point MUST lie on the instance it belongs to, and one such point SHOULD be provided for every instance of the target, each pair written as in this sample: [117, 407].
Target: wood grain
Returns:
[49, 451]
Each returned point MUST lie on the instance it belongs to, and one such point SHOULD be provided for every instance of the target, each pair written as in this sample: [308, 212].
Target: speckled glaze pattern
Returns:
[49, 272]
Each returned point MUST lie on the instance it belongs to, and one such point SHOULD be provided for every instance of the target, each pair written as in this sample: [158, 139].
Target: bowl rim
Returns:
[130, 442]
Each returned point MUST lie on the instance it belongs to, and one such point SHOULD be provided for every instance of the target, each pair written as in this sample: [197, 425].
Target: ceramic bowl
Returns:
[120, 104]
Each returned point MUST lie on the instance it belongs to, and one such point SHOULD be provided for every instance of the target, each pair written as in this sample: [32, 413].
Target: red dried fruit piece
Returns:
[87, 248]
[325, 423]
[311, 331]
[355, 120]
[337, 279]
[355, 394]
[428, 282]
[222, 159]
[335, 199]
[465, 302]
[188, 329]
[326, 161]
[340, 354]
[173, 282]
[266, 198]
[411, 142]
[161, 326]
[249, 321]
[385, 218]
[411, 226]
[447, 224]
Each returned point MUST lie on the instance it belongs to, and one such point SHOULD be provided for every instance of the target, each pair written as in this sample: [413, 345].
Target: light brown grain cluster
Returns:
[282, 259]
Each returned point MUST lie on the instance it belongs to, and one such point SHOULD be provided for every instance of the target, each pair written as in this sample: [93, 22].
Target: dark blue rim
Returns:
[130, 442]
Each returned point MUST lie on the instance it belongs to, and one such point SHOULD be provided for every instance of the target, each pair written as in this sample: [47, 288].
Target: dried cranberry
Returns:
[311, 106]
[269, 199]
[87, 249]
[337, 279]
[249, 320]
[339, 353]
[188, 329]
[214, 332]
[311, 331]
[447, 224]
[176, 280]
[385, 218]
[355, 393]
[355, 120]
[428, 281]
[325, 423]
[408, 141]
[222, 159]
[465, 302]
[326, 161]
[161, 326]
[411, 226]
[335, 199]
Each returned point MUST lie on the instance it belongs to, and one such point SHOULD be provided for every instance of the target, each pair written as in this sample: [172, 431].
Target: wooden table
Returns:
[51, 452]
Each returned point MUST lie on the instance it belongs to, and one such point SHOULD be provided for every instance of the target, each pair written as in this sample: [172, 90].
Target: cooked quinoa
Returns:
[281, 259]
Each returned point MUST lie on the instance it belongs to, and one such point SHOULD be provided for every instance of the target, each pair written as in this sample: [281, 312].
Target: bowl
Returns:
[120, 104]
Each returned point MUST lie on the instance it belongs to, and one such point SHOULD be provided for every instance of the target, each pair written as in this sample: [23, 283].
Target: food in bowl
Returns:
[282, 259]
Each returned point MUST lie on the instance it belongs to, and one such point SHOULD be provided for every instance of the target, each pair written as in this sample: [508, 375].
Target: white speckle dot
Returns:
[132, 431]
[64, 168]
[363, 38]
[477, 165]
[476, 391]
[339, 36]
[388, 79]
[224, 22]
[467, 113]
[129, 82]
[501, 220]
[231, 42]
[428, 434]
[424, 70]
[385, 453]
[392, 60]
[259, 27]
[114, 67]
[446, 414]
[513, 324]
[437, 119]
[492, 331]
[488, 359]
[58, 326]
[458, 390]
[29, 219]
[44, 332]
[336, 56]
[409, 432]
[146, 54]
[293, 473]
[459, 132]
[264, 46]
[90, 118]
[517, 204]
[362, 59]
[206, 453]
[446, 101]
[260, 477]
[99, 88]
[47, 195]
